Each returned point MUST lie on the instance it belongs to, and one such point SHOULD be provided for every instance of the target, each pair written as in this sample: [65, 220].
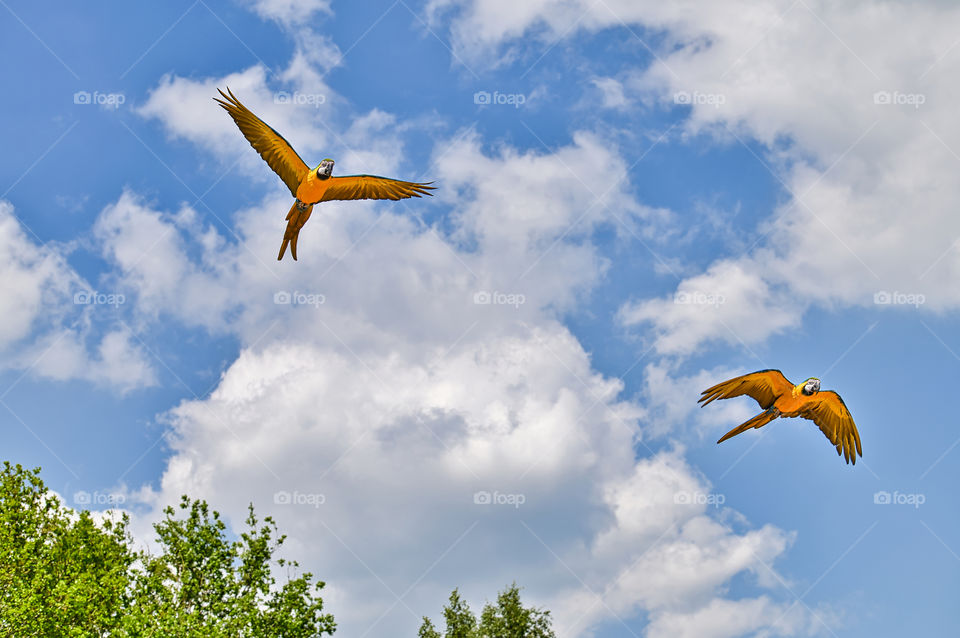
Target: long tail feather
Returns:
[756, 422]
[295, 221]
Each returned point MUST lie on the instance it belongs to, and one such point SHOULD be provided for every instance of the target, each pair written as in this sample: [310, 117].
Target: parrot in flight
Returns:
[310, 186]
[780, 398]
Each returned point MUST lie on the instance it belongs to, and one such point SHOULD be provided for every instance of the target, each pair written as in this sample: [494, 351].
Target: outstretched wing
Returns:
[274, 150]
[373, 187]
[764, 386]
[831, 415]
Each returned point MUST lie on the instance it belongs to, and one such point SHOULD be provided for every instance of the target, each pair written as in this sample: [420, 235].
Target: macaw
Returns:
[780, 398]
[310, 186]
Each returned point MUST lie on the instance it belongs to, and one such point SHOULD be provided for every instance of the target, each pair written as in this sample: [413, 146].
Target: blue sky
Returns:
[795, 200]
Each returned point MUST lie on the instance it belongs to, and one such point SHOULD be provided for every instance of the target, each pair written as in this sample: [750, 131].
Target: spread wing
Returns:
[830, 413]
[764, 386]
[373, 187]
[274, 150]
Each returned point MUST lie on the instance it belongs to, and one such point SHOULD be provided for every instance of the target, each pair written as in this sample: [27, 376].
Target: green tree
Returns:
[427, 630]
[508, 618]
[63, 573]
[204, 584]
[460, 621]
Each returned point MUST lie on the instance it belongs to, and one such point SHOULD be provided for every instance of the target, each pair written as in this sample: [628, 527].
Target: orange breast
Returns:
[311, 189]
[790, 405]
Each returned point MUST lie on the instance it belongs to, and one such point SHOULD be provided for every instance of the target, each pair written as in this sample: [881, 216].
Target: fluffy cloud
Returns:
[849, 105]
[52, 318]
[729, 618]
[731, 302]
[33, 277]
[663, 553]
[864, 153]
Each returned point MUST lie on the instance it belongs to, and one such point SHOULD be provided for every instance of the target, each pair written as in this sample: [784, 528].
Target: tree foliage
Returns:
[64, 574]
[508, 618]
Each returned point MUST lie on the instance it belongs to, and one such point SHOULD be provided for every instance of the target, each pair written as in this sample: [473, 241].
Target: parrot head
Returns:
[811, 386]
[325, 169]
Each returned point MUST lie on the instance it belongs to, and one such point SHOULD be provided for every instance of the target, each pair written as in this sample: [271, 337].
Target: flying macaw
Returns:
[778, 397]
[308, 186]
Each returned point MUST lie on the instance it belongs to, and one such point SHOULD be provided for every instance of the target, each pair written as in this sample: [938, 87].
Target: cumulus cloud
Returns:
[118, 361]
[53, 320]
[730, 618]
[663, 553]
[731, 302]
[33, 277]
[846, 104]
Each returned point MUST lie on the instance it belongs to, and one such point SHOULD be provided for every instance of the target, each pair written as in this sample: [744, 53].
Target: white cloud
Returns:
[731, 302]
[611, 92]
[662, 553]
[118, 361]
[49, 327]
[147, 248]
[289, 12]
[853, 106]
[730, 618]
[33, 277]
